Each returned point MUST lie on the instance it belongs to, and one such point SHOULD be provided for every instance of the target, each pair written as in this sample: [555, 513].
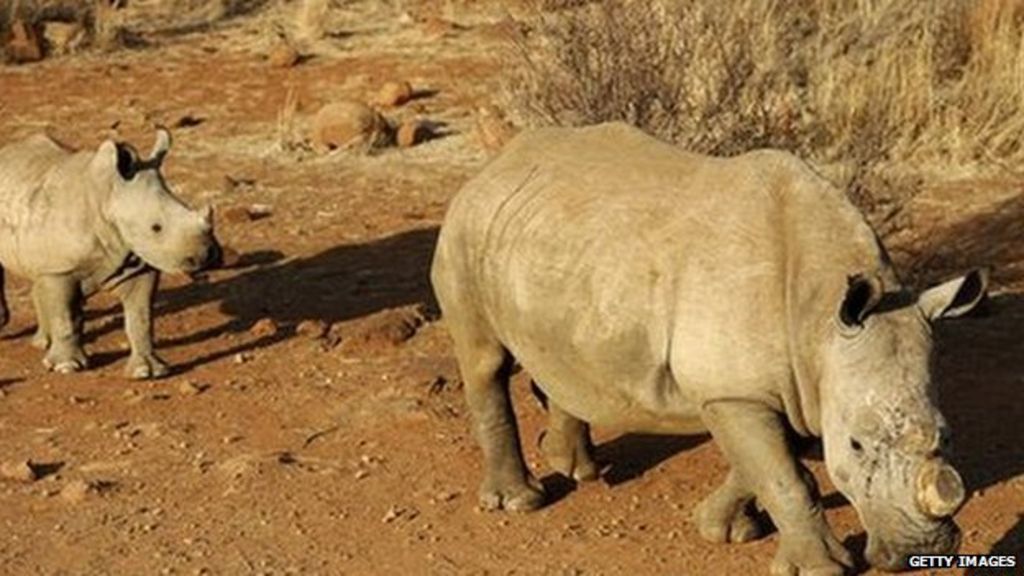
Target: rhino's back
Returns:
[592, 252]
[44, 196]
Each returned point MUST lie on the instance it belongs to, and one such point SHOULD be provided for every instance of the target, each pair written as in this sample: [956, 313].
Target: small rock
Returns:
[77, 491]
[21, 471]
[312, 329]
[25, 45]
[63, 37]
[259, 211]
[360, 474]
[263, 328]
[411, 133]
[394, 93]
[250, 213]
[283, 55]
[392, 514]
[349, 124]
[191, 388]
[242, 358]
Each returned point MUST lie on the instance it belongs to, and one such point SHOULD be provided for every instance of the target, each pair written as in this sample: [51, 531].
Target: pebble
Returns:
[263, 328]
[312, 329]
[20, 471]
[77, 491]
[192, 388]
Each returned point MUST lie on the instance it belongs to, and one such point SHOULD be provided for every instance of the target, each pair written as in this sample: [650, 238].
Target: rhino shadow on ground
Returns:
[631, 455]
[1011, 544]
[978, 367]
[341, 283]
[979, 360]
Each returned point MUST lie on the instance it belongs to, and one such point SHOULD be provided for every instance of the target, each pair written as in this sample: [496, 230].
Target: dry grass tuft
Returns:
[879, 89]
[310, 20]
[290, 136]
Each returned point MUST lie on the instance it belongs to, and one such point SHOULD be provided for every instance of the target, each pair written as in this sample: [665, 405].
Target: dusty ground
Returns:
[273, 452]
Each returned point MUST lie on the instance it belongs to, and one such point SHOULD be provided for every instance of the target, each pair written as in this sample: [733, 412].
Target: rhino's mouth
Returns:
[891, 553]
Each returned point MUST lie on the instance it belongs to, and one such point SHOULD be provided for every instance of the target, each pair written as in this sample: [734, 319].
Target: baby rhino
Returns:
[78, 222]
[648, 289]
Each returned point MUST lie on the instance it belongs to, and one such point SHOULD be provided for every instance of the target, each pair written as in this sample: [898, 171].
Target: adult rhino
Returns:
[77, 222]
[649, 289]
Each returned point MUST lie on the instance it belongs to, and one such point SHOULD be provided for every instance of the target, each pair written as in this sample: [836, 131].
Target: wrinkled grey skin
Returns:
[78, 222]
[652, 290]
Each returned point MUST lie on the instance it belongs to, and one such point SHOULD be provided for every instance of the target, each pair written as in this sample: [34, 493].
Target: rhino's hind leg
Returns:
[485, 366]
[725, 515]
[41, 339]
[566, 445]
[56, 299]
[136, 296]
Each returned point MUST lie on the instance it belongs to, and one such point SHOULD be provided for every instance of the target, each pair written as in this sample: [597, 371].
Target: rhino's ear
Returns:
[955, 297]
[863, 293]
[160, 147]
[116, 158]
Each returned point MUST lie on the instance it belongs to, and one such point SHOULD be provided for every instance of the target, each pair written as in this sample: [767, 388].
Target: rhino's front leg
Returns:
[136, 296]
[56, 299]
[753, 439]
[725, 515]
[566, 445]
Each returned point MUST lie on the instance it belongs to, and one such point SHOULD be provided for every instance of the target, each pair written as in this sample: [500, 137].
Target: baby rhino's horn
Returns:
[940, 491]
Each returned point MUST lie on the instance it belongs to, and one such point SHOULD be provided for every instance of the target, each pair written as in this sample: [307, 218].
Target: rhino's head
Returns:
[883, 435]
[154, 224]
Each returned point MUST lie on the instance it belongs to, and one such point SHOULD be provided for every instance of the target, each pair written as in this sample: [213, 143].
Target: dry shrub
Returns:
[871, 90]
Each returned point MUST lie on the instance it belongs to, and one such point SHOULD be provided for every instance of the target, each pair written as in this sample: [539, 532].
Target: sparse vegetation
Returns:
[868, 90]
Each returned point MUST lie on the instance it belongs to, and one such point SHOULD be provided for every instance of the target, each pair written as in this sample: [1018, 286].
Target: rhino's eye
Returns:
[156, 228]
[856, 445]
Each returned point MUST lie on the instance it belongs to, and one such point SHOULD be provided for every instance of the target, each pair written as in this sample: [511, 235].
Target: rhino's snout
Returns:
[212, 257]
[944, 540]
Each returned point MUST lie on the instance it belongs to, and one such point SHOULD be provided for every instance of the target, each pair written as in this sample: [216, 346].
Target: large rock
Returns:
[394, 93]
[349, 124]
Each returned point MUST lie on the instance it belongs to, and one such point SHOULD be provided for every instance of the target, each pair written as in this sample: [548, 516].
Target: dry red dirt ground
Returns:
[271, 450]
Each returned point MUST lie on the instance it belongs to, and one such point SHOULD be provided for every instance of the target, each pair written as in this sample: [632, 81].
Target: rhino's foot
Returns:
[726, 514]
[811, 555]
[145, 366]
[511, 496]
[569, 457]
[40, 340]
[66, 363]
[721, 521]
